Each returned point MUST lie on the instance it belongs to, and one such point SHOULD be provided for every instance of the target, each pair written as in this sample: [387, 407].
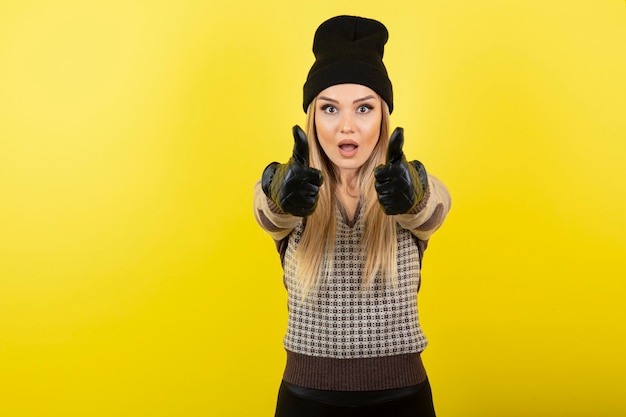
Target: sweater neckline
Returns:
[344, 215]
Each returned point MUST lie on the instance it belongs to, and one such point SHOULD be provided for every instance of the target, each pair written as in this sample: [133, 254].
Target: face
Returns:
[347, 120]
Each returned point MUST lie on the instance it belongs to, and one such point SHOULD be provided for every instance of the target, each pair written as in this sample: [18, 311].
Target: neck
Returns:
[347, 183]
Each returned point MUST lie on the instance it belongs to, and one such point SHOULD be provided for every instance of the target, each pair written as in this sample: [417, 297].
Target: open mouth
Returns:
[348, 150]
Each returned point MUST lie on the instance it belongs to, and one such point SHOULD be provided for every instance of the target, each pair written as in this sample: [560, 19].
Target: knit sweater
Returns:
[345, 337]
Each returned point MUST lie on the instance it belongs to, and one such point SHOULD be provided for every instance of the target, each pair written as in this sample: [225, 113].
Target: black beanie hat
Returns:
[349, 49]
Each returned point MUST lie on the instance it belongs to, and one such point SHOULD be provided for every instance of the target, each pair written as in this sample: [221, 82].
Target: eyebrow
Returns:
[358, 100]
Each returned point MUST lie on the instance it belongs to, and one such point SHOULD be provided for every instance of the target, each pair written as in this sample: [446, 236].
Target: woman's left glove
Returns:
[400, 185]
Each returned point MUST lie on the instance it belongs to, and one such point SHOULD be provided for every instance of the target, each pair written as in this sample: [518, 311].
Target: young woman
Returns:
[351, 218]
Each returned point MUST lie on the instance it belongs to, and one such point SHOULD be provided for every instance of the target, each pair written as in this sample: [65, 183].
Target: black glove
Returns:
[293, 186]
[400, 185]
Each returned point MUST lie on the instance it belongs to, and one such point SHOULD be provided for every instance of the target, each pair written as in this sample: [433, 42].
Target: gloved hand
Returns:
[293, 186]
[400, 185]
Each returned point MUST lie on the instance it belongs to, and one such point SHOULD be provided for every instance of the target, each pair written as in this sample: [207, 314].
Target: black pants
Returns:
[414, 401]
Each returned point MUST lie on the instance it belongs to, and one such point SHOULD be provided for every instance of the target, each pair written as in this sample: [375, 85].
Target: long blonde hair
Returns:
[314, 254]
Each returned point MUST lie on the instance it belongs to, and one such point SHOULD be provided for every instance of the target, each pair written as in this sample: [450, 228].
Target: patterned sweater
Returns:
[347, 338]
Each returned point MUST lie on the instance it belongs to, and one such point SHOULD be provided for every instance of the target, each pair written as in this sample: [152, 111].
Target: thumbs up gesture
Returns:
[400, 185]
[293, 186]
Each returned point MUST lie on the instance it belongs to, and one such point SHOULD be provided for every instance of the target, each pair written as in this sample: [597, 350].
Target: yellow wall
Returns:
[134, 281]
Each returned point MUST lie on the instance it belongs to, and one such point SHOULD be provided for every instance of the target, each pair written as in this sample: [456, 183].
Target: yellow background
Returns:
[135, 282]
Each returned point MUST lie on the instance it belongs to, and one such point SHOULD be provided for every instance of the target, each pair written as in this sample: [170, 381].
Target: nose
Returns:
[347, 123]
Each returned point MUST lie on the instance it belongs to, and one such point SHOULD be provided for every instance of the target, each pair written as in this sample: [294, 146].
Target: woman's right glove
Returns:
[293, 186]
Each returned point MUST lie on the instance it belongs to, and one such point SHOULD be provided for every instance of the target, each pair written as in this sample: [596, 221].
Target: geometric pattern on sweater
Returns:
[345, 321]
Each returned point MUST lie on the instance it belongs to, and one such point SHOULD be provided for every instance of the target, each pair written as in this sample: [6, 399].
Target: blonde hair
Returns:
[315, 252]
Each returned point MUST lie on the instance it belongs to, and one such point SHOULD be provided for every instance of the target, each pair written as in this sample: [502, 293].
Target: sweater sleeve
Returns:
[430, 213]
[271, 218]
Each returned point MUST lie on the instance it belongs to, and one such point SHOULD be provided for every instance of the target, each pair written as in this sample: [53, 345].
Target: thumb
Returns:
[394, 150]
[300, 146]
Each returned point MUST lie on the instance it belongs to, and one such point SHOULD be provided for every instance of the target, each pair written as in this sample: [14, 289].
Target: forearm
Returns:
[430, 213]
[273, 220]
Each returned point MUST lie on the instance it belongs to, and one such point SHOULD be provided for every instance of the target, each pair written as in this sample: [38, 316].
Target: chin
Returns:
[349, 167]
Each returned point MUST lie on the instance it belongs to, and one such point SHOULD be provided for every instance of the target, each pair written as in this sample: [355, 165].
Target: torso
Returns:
[345, 332]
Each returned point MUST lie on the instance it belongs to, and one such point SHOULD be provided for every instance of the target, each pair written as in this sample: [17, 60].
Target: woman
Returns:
[351, 218]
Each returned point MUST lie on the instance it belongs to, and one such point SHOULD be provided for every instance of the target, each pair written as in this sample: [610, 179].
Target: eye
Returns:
[329, 108]
[364, 108]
